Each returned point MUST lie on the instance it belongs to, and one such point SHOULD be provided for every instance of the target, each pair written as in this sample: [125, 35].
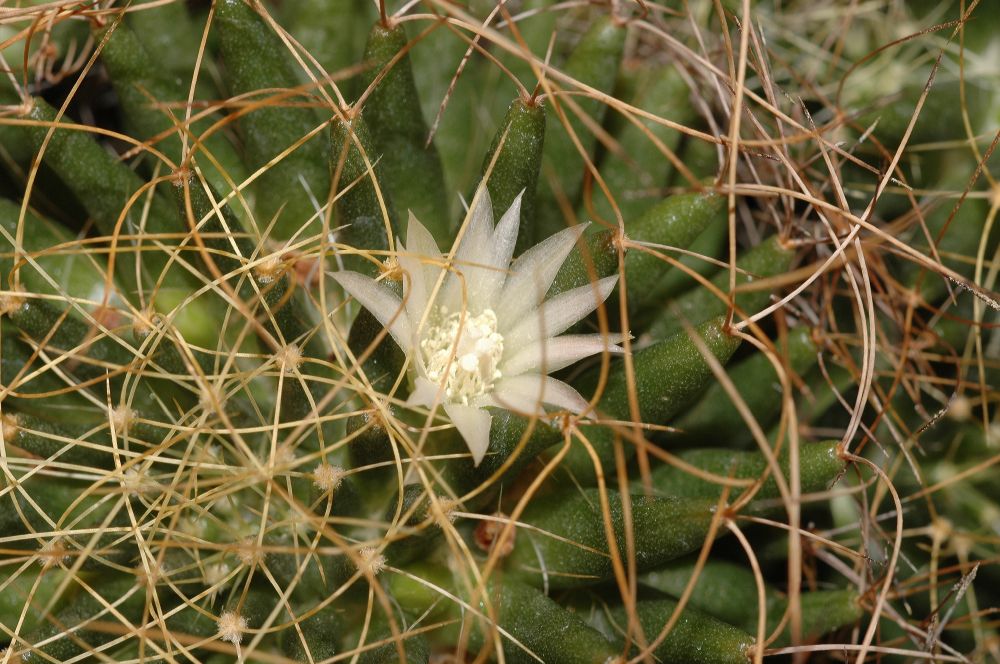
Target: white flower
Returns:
[482, 333]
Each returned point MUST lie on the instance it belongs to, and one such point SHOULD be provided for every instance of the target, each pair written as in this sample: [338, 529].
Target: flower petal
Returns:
[419, 250]
[553, 316]
[380, 302]
[474, 426]
[502, 246]
[505, 234]
[419, 240]
[551, 354]
[472, 257]
[526, 394]
[425, 393]
[532, 273]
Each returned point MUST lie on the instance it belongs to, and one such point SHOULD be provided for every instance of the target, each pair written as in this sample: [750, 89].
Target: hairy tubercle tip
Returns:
[231, 627]
[328, 478]
[371, 560]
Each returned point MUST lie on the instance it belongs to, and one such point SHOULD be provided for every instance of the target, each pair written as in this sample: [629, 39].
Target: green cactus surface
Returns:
[500, 330]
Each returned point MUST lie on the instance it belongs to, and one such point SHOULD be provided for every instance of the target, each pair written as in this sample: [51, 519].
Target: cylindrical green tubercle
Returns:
[702, 249]
[518, 164]
[153, 104]
[544, 629]
[714, 419]
[359, 211]
[292, 561]
[819, 465]
[416, 650]
[566, 545]
[677, 221]
[696, 638]
[370, 443]
[769, 258]
[724, 590]
[668, 374]
[28, 592]
[76, 272]
[728, 591]
[230, 250]
[332, 32]
[17, 515]
[820, 611]
[412, 168]
[98, 352]
[254, 605]
[103, 185]
[256, 59]
[318, 640]
[594, 257]
[641, 169]
[72, 625]
[15, 146]
[529, 625]
[593, 62]
[168, 31]
[416, 530]
[510, 434]
[82, 444]
[41, 395]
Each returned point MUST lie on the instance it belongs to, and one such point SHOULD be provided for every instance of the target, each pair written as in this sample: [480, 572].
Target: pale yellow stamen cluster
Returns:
[463, 352]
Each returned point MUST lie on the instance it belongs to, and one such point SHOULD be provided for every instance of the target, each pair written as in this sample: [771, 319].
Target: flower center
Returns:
[463, 352]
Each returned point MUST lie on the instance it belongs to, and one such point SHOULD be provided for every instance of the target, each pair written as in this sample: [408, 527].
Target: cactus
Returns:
[460, 341]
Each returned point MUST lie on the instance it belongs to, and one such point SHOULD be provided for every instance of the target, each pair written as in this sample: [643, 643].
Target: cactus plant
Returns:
[462, 342]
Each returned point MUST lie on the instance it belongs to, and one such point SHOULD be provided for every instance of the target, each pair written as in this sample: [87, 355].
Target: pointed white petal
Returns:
[504, 239]
[416, 261]
[425, 393]
[414, 285]
[485, 280]
[505, 235]
[419, 240]
[551, 354]
[474, 247]
[553, 316]
[526, 394]
[532, 273]
[472, 259]
[474, 426]
[380, 302]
